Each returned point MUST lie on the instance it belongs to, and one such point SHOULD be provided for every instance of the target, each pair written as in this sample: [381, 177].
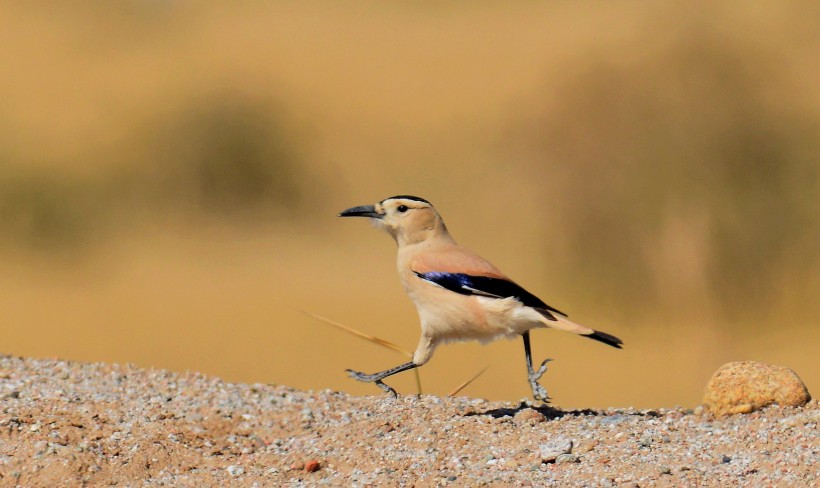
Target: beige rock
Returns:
[746, 386]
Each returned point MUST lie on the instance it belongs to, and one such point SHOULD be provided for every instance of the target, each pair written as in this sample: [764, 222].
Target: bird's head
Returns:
[408, 219]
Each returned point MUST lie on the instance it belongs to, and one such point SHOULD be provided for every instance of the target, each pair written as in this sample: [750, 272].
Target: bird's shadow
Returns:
[551, 413]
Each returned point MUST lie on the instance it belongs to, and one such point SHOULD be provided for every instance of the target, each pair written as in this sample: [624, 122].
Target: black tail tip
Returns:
[609, 340]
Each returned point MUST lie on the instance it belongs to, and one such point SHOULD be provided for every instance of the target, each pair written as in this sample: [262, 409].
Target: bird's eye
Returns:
[402, 208]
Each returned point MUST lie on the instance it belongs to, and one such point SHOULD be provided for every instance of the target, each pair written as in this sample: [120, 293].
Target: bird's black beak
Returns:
[362, 211]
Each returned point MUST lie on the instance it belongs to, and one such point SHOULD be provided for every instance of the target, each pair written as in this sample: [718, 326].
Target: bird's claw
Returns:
[541, 370]
[359, 376]
[386, 388]
[538, 391]
[372, 378]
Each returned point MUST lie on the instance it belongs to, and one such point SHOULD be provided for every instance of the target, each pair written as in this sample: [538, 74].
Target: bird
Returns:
[459, 295]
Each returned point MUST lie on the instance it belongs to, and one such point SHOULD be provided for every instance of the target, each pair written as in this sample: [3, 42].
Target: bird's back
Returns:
[447, 257]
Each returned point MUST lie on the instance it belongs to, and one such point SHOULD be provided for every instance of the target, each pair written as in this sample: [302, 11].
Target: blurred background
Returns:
[170, 175]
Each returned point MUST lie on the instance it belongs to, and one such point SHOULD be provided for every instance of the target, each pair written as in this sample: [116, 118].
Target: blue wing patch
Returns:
[486, 286]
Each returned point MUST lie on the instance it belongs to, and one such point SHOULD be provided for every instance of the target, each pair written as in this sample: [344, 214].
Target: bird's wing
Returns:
[466, 273]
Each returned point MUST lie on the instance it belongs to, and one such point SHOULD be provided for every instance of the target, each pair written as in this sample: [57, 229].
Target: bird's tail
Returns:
[560, 322]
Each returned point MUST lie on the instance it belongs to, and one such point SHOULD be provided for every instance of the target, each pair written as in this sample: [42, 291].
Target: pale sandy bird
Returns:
[458, 294]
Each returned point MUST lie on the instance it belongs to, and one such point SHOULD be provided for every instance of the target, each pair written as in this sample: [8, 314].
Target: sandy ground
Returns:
[73, 424]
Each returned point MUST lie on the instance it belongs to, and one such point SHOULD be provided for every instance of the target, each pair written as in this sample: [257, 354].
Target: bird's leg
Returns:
[538, 391]
[378, 377]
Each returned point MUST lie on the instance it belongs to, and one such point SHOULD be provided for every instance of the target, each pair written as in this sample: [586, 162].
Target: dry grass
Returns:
[375, 340]
[389, 345]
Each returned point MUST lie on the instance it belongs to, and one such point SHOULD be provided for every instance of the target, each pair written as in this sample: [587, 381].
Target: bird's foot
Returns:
[538, 391]
[372, 378]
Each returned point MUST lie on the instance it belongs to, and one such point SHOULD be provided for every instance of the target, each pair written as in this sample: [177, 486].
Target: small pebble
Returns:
[235, 470]
[566, 458]
[557, 446]
[586, 446]
[529, 416]
[312, 466]
[613, 419]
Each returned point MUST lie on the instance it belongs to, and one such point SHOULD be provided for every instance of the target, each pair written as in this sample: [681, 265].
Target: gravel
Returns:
[73, 424]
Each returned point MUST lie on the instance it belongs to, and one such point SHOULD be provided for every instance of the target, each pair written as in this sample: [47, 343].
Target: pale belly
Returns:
[448, 316]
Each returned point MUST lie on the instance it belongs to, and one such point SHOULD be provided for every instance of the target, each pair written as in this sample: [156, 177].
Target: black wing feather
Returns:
[487, 286]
